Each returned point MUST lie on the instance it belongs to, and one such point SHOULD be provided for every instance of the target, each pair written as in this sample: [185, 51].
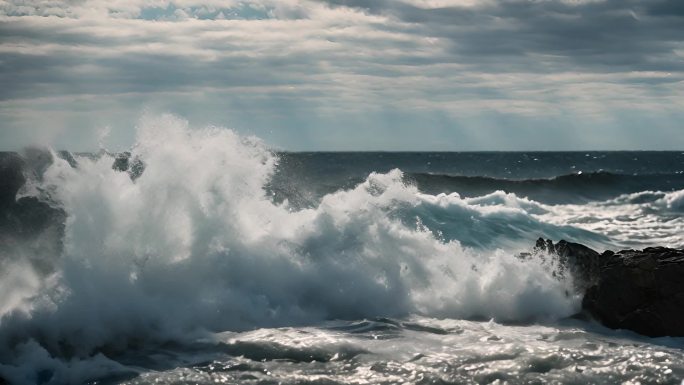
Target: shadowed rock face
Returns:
[580, 261]
[30, 229]
[124, 162]
[638, 290]
[641, 291]
[11, 177]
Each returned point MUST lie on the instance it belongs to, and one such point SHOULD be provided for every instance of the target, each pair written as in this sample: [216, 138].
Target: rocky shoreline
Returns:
[638, 290]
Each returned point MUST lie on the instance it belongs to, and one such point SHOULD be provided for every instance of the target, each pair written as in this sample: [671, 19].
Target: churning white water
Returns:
[164, 275]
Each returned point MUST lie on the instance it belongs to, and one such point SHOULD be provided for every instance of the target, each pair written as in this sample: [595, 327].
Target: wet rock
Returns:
[36, 160]
[66, 155]
[30, 228]
[11, 177]
[640, 290]
[121, 161]
[125, 162]
[574, 258]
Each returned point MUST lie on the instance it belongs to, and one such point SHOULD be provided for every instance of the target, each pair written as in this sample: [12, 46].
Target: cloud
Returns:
[293, 70]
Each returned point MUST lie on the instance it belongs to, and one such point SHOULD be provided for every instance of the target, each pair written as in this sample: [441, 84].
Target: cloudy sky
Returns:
[348, 74]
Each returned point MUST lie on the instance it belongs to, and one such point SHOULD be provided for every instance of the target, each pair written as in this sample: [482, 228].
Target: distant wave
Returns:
[572, 188]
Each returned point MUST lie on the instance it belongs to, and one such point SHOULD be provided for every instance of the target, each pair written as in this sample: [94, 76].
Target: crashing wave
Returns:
[194, 245]
[188, 242]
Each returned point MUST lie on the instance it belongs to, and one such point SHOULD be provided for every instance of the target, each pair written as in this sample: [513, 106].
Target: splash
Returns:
[195, 246]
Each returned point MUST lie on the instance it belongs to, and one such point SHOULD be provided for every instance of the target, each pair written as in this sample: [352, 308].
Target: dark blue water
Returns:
[508, 165]
[549, 177]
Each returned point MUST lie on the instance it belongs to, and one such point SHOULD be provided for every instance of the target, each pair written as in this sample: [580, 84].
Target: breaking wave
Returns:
[194, 245]
[564, 189]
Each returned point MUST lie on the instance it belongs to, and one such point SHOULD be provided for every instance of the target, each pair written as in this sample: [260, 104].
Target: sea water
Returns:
[225, 261]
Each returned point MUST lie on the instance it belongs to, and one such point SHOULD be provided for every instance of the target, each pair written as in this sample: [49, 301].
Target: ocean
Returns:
[207, 257]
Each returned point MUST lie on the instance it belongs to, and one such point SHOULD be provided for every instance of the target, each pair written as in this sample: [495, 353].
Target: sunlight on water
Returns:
[167, 271]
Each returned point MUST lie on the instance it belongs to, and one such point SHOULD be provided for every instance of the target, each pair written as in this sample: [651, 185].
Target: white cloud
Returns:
[297, 60]
[431, 4]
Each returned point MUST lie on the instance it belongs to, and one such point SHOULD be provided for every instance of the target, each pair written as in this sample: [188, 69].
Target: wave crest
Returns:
[194, 245]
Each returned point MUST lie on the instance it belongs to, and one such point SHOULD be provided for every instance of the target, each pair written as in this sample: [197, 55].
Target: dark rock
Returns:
[11, 177]
[30, 228]
[36, 160]
[66, 155]
[16, 168]
[638, 290]
[121, 161]
[578, 260]
[124, 162]
[641, 291]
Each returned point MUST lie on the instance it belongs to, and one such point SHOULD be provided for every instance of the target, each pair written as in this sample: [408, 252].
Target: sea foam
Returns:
[195, 246]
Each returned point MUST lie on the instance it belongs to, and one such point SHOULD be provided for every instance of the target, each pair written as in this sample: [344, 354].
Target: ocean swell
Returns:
[565, 189]
[194, 245]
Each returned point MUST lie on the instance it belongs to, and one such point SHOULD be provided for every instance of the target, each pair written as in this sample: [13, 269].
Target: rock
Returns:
[11, 177]
[125, 163]
[29, 228]
[641, 291]
[36, 160]
[579, 260]
[121, 161]
[66, 155]
[638, 290]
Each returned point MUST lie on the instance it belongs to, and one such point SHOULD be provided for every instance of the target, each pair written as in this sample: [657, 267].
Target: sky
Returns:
[345, 75]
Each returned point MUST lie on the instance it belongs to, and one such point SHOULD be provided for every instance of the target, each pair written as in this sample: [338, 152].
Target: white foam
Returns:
[675, 201]
[194, 245]
[18, 283]
[638, 220]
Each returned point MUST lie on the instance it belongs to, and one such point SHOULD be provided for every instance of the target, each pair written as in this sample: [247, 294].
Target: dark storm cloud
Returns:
[551, 35]
[667, 8]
